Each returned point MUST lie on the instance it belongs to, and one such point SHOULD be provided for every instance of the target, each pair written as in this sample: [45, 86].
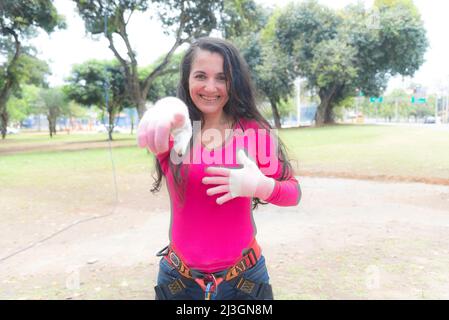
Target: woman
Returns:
[231, 160]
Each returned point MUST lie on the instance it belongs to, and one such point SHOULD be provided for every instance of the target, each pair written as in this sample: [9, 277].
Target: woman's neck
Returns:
[216, 120]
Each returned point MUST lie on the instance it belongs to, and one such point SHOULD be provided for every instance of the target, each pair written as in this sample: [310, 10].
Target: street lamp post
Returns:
[298, 101]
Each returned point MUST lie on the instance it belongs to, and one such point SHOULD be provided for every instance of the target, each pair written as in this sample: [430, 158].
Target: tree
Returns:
[53, 103]
[183, 19]
[19, 20]
[352, 50]
[22, 104]
[167, 83]
[274, 78]
[241, 17]
[99, 83]
[270, 67]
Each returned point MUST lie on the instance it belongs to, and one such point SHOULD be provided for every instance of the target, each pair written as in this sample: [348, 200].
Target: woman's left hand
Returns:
[247, 181]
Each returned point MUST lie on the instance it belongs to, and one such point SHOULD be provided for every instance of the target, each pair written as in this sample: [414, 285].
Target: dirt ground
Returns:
[348, 239]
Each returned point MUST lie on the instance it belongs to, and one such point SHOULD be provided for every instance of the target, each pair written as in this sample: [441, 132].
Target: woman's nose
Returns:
[210, 85]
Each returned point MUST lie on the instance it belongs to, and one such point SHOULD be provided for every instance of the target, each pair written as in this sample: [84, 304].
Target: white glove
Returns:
[168, 116]
[247, 181]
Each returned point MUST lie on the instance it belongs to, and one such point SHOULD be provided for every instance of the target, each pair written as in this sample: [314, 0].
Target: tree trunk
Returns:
[54, 126]
[141, 107]
[111, 122]
[325, 113]
[132, 124]
[4, 96]
[52, 117]
[5, 92]
[4, 121]
[276, 116]
[50, 126]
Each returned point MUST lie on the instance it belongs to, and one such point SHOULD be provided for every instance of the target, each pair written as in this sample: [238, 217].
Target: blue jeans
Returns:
[225, 291]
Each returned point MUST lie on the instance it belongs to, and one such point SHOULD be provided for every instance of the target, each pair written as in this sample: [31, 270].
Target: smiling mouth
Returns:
[209, 99]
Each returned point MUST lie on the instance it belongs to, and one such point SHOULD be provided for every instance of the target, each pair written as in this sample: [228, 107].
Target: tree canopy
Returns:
[183, 19]
[99, 83]
[271, 68]
[342, 52]
[19, 20]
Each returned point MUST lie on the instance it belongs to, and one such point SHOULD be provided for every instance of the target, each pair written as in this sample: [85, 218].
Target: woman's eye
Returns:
[200, 76]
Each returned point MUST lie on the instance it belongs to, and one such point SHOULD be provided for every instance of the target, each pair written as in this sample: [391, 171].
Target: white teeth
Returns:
[210, 99]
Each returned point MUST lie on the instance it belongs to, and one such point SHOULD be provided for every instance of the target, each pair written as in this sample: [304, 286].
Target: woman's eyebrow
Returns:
[203, 72]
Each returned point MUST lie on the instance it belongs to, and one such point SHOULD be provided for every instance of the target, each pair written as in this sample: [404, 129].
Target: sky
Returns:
[66, 47]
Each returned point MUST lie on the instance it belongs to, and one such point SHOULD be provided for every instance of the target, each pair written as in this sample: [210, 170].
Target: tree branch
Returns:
[158, 70]
[123, 34]
[122, 61]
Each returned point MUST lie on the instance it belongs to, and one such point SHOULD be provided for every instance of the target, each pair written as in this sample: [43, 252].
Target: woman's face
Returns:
[207, 82]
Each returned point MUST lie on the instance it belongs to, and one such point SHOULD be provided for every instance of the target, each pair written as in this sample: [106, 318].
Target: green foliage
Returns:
[344, 105]
[99, 83]
[271, 68]
[53, 101]
[20, 16]
[240, 17]
[166, 84]
[75, 110]
[397, 106]
[183, 19]
[333, 63]
[340, 52]
[198, 18]
[287, 107]
[300, 27]
[19, 20]
[21, 106]
[29, 70]
[94, 13]
[89, 82]
[163, 86]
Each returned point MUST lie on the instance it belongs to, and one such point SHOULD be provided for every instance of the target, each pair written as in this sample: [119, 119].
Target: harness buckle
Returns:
[174, 259]
[251, 254]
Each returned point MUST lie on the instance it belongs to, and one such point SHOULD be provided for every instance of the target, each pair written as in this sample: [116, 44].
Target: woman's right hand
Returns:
[168, 116]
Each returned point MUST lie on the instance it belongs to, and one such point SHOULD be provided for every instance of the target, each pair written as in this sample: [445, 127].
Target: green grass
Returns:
[64, 137]
[43, 168]
[362, 150]
[370, 150]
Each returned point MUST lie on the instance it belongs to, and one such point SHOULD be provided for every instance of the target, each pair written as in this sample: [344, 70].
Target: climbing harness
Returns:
[209, 282]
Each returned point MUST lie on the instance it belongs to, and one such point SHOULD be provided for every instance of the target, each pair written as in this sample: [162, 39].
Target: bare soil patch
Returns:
[348, 239]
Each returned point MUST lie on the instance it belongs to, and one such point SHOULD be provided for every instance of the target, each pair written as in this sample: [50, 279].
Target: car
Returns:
[429, 119]
[10, 130]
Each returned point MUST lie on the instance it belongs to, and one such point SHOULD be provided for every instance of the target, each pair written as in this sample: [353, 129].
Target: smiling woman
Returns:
[208, 85]
[213, 252]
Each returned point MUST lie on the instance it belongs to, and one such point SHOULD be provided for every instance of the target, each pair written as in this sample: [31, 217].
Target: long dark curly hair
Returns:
[241, 104]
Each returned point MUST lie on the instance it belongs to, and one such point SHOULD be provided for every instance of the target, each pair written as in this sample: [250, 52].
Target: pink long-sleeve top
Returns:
[210, 237]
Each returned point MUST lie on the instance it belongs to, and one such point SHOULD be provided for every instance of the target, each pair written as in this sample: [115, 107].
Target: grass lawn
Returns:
[364, 151]
[421, 154]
